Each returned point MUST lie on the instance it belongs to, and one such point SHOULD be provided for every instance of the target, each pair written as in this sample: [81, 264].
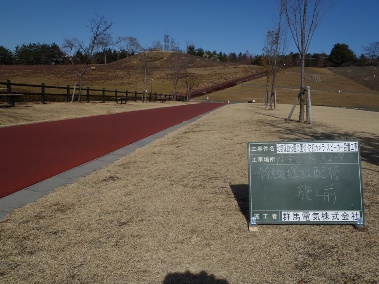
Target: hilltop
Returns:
[166, 60]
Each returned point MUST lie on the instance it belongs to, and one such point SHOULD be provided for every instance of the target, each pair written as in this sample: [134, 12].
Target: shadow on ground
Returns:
[241, 194]
[191, 278]
[292, 131]
[287, 131]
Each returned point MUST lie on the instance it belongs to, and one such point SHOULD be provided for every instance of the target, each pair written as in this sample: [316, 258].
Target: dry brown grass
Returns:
[175, 210]
[365, 75]
[31, 112]
[129, 74]
[327, 89]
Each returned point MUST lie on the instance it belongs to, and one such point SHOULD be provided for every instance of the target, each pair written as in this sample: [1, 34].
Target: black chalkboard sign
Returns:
[305, 182]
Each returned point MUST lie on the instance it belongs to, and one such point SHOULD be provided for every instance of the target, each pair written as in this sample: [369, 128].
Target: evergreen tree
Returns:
[6, 56]
[200, 52]
[36, 53]
[341, 54]
[191, 49]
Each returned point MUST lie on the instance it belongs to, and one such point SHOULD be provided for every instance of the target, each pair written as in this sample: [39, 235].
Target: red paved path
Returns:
[34, 152]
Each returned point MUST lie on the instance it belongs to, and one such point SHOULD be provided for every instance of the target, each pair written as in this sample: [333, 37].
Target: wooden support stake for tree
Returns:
[302, 103]
[309, 105]
[275, 99]
[293, 109]
[300, 97]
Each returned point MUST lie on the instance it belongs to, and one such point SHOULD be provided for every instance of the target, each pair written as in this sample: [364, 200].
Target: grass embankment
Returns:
[129, 74]
[327, 89]
[340, 87]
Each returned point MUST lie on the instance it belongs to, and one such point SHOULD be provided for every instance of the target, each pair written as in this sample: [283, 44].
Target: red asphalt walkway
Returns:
[34, 152]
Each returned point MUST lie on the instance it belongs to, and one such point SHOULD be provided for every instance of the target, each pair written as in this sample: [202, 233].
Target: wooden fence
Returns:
[45, 93]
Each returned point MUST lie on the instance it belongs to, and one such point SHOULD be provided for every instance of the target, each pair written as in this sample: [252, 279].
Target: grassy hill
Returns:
[342, 87]
[327, 89]
[366, 75]
[165, 60]
[129, 74]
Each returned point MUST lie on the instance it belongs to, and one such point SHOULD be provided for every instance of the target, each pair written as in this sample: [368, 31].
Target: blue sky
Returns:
[222, 25]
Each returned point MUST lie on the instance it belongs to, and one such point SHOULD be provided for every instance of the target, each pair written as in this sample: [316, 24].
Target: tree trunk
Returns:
[273, 83]
[303, 47]
[301, 94]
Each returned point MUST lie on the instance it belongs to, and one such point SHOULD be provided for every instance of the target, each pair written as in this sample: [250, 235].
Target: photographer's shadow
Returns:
[191, 278]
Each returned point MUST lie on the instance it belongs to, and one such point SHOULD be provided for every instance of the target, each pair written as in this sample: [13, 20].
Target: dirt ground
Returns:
[174, 210]
[25, 113]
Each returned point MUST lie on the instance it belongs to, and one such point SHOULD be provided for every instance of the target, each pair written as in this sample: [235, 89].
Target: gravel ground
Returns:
[174, 212]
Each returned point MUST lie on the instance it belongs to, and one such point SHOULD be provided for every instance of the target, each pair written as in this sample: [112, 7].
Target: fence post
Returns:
[87, 94]
[9, 88]
[43, 93]
[116, 94]
[103, 95]
[68, 93]
[135, 96]
[126, 96]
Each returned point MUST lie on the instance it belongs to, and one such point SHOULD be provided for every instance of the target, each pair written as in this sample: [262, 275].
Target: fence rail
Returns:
[46, 93]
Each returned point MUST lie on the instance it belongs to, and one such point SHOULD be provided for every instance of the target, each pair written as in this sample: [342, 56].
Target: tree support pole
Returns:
[309, 105]
[295, 104]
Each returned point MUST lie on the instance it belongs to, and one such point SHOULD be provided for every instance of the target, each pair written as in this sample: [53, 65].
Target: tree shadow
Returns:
[191, 278]
[369, 143]
[241, 194]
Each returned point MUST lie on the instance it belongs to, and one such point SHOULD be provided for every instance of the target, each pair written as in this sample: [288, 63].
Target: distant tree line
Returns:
[340, 56]
[39, 54]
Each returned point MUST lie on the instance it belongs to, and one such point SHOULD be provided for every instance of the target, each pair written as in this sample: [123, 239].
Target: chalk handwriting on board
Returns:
[324, 194]
[305, 182]
[322, 158]
[331, 158]
[296, 172]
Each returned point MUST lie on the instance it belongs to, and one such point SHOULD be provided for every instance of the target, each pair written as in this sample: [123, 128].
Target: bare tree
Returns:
[106, 41]
[130, 44]
[174, 46]
[372, 52]
[190, 82]
[274, 47]
[81, 52]
[146, 74]
[156, 45]
[270, 56]
[302, 17]
[178, 67]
